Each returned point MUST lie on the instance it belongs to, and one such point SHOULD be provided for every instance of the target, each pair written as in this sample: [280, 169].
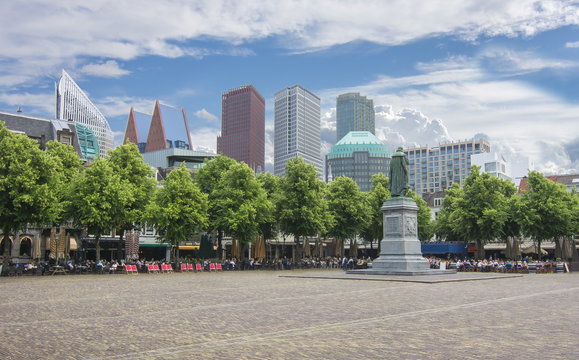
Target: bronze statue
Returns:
[399, 174]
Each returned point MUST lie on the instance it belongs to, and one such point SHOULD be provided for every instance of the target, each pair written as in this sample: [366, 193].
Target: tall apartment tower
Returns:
[73, 104]
[354, 113]
[243, 126]
[434, 169]
[297, 128]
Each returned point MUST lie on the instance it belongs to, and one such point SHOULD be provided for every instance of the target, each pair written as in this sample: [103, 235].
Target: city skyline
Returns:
[504, 70]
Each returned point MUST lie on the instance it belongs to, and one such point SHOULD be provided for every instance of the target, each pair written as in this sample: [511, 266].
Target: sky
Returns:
[437, 70]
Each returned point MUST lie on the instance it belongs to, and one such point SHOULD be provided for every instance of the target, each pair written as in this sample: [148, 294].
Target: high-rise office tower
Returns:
[73, 104]
[354, 113]
[243, 126]
[297, 128]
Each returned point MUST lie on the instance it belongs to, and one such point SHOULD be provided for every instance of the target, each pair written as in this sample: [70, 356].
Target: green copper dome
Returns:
[357, 141]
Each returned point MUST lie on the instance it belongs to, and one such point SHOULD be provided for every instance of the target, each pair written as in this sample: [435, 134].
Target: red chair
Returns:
[198, 268]
[183, 267]
[189, 267]
[151, 268]
[169, 268]
[218, 267]
[212, 267]
[156, 268]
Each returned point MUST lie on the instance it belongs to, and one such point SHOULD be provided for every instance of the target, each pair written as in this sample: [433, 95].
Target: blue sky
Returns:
[437, 70]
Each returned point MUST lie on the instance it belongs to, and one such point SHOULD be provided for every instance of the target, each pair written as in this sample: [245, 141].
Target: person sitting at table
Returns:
[113, 267]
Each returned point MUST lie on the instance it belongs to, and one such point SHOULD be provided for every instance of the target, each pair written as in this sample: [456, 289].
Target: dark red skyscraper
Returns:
[243, 126]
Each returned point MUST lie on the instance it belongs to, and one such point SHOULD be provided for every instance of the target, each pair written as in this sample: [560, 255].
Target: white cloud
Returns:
[574, 44]
[58, 33]
[205, 139]
[35, 104]
[108, 69]
[204, 114]
[112, 106]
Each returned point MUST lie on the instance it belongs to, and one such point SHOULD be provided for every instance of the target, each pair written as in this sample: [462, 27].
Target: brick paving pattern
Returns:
[259, 315]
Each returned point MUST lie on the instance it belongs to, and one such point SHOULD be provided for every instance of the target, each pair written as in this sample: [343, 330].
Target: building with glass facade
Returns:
[73, 104]
[243, 126]
[79, 136]
[167, 128]
[354, 113]
[358, 155]
[437, 168]
[297, 128]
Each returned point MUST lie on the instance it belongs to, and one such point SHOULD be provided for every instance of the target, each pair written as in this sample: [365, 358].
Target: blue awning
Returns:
[443, 248]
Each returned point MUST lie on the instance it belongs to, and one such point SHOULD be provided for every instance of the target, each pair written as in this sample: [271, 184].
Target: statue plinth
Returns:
[400, 250]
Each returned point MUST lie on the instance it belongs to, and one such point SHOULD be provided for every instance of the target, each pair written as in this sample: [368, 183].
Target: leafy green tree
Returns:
[97, 199]
[373, 229]
[425, 228]
[65, 164]
[443, 226]
[136, 179]
[207, 178]
[550, 212]
[241, 205]
[483, 210]
[179, 208]
[272, 186]
[512, 229]
[301, 206]
[27, 183]
[349, 211]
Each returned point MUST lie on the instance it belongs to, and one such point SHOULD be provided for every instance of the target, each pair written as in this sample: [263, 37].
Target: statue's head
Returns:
[400, 149]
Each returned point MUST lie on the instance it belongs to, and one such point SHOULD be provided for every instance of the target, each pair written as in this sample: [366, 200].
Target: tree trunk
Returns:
[539, 250]
[353, 248]
[7, 246]
[97, 244]
[480, 250]
[121, 244]
[306, 248]
[219, 242]
[509, 247]
[559, 247]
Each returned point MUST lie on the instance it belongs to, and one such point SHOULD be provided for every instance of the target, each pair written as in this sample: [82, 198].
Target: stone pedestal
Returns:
[400, 251]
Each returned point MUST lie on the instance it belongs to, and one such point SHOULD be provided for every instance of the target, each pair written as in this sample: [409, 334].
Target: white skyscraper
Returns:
[73, 104]
[297, 128]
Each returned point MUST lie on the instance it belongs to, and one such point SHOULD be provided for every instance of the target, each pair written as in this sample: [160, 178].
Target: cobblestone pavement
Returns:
[258, 315]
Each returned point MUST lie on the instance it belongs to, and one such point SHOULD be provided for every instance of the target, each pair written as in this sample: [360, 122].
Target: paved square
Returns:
[259, 315]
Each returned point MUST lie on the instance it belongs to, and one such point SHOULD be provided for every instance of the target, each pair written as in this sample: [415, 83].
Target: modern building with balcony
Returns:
[433, 169]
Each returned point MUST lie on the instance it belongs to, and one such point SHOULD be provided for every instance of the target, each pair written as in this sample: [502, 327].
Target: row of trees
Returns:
[488, 209]
[52, 187]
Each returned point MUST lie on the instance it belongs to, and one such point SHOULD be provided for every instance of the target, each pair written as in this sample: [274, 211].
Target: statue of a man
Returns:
[399, 174]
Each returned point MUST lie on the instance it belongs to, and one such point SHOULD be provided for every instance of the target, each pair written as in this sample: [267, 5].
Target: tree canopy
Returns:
[179, 208]
[97, 199]
[301, 206]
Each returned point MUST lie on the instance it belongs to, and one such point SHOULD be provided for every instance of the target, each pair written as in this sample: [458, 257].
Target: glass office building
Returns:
[73, 104]
[243, 126]
[297, 128]
[354, 113]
